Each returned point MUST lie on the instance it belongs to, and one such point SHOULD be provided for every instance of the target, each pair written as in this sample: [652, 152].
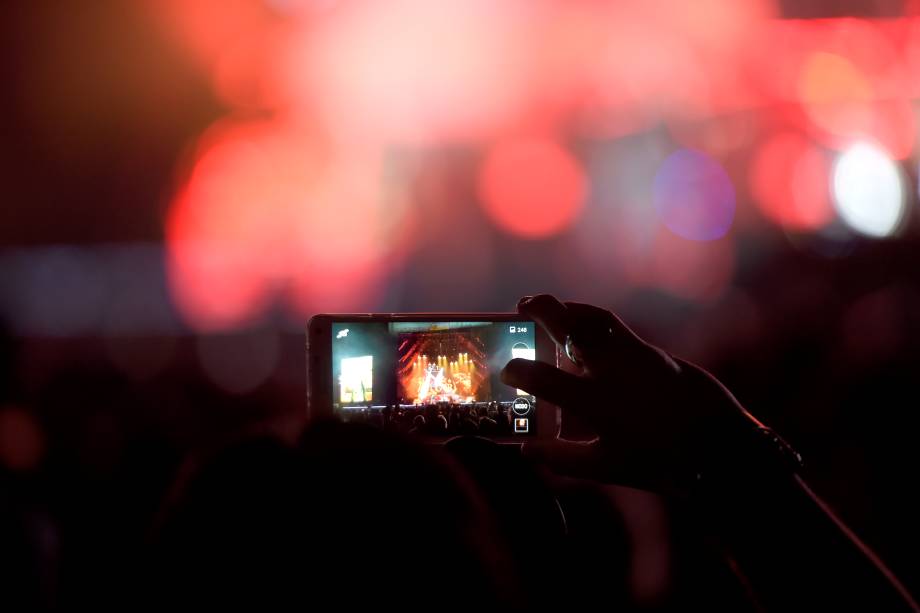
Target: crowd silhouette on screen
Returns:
[439, 418]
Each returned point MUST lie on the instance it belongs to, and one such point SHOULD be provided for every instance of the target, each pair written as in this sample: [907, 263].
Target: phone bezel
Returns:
[319, 363]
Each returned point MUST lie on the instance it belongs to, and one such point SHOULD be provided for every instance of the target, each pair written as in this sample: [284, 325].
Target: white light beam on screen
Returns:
[356, 379]
[521, 350]
[868, 190]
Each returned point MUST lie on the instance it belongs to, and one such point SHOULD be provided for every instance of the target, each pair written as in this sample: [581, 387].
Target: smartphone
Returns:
[432, 375]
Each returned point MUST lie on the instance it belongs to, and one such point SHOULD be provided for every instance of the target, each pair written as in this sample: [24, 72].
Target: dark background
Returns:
[117, 361]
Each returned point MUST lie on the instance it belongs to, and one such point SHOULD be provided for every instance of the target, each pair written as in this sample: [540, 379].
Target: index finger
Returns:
[603, 336]
[549, 314]
[565, 390]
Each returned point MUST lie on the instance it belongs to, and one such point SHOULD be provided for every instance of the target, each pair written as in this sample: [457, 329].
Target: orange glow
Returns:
[411, 70]
[22, 440]
[215, 278]
[313, 217]
[836, 95]
[532, 188]
[207, 27]
[336, 257]
[829, 79]
[241, 71]
[853, 85]
[435, 72]
[790, 182]
[235, 41]
[267, 210]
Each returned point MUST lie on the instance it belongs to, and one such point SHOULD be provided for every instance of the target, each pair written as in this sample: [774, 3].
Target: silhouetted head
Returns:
[341, 520]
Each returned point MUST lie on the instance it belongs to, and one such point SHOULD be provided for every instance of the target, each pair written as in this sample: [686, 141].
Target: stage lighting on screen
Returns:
[521, 350]
[356, 379]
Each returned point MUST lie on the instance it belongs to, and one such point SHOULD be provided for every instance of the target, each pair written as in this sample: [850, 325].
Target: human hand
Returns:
[656, 418]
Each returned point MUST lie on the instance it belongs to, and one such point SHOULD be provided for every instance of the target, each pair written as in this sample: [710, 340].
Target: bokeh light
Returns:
[853, 85]
[342, 240]
[191, 180]
[868, 190]
[206, 28]
[282, 212]
[835, 93]
[694, 196]
[408, 70]
[22, 440]
[791, 184]
[217, 255]
[532, 188]
[269, 211]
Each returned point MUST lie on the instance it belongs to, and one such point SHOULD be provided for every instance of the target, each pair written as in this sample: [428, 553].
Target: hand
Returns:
[655, 417]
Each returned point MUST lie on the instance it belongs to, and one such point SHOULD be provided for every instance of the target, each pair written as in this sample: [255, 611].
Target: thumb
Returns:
[578, 459]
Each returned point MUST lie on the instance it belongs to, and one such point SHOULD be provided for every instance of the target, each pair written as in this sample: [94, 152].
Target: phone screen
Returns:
[432, 378]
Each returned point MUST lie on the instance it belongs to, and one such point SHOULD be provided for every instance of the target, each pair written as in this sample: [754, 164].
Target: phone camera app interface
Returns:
[432, 378]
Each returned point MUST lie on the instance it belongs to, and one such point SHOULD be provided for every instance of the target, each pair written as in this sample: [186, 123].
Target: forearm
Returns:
[794, 552]
[786, 542]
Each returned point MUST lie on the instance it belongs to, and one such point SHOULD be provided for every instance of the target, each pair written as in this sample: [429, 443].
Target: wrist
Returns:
[742, 457]
[730, 448]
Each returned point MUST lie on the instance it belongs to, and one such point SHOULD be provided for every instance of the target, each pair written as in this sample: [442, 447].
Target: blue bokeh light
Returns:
[693, 196]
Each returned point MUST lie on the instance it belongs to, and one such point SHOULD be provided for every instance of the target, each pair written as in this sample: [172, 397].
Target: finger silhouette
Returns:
[579, 459]
[548, 383]
[549, 314]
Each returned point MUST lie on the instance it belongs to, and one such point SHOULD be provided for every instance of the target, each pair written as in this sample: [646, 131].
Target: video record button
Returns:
[521, 406]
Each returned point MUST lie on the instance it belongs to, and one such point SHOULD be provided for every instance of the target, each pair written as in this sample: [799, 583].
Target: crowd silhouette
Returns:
[117, 511]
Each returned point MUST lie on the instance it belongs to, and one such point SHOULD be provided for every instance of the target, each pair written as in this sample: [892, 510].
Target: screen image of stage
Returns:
[435, 377]
[442, 366]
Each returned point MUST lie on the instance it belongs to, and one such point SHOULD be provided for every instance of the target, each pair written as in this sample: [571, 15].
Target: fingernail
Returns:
[524, 300]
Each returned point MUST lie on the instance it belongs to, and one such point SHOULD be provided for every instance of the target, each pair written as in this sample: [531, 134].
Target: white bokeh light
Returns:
[868, 190]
